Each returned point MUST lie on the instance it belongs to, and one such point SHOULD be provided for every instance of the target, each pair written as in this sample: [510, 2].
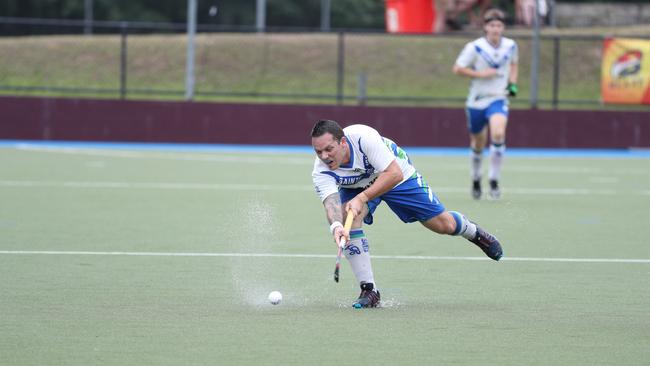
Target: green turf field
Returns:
[166, 258]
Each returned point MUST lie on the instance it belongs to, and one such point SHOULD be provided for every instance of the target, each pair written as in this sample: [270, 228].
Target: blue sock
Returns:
[464, 227]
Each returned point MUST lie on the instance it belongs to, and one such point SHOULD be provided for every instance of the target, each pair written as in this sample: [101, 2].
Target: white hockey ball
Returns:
[275, 297]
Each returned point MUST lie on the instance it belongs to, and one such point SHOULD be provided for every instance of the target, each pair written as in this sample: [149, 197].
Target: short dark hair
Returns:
[324, 126]
[494, 14]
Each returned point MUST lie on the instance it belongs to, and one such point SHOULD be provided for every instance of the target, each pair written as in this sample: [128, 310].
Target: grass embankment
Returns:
[302, 67]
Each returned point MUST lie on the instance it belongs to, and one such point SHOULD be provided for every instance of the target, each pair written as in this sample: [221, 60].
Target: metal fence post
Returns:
[260, 15]
[551, 13]
[363, 88]
[124, 28]
[189, 62]
[88, 17]
[534, 67]
[325, 9]
[556, 70]
[340, 69]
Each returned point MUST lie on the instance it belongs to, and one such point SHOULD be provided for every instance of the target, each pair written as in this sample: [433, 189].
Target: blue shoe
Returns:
[369, 297]
[488, 244]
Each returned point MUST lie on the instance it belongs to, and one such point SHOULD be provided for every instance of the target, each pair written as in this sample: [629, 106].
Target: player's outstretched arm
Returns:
[514, 73]
[385, 181]
[512, 88]
[334, 215]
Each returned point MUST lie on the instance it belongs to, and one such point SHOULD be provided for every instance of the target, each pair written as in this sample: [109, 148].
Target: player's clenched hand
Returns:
[356, 204]
[340, 234]
[512, 89]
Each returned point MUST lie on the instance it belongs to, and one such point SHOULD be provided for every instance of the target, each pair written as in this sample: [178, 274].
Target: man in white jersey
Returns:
[492, 63]
[355, 170]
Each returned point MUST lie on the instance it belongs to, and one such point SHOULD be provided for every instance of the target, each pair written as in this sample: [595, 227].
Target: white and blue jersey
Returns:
[480, 55]
[370, 154]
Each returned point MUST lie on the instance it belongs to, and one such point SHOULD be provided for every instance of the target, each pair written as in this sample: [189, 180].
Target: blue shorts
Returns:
[411, 201]
[477, 119]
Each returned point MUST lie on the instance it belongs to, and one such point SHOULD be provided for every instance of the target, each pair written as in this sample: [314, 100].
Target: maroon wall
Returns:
[28, 118]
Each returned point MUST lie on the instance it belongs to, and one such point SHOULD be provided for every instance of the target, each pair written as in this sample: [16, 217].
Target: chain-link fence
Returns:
[148, 60]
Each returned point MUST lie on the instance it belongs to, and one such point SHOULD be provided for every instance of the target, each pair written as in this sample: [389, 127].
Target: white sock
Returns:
[464, 227]
[496, 160]
[357, 253]
[477, 160]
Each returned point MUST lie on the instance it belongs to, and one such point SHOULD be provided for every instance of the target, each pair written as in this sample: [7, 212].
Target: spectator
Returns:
[449, 11]
[525, 11]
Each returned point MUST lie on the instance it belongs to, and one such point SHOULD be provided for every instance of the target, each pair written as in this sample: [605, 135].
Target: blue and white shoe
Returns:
[369, 297]
[488, 243]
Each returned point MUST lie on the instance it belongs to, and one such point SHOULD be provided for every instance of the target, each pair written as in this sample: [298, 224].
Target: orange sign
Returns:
[625, 73]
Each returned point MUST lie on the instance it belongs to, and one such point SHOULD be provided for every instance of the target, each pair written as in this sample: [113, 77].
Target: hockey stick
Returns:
[346, 227]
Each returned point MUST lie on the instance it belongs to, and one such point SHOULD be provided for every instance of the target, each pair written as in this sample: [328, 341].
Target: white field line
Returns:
[297, 187]
[273, 255]
[178, 186]
[209, 157]
[280, 158]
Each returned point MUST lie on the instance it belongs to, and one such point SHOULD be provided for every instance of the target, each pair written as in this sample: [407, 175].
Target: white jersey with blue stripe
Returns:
[370, 154]
[480, 55]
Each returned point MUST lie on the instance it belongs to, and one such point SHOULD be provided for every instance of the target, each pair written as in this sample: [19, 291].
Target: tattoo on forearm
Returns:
[333, 208]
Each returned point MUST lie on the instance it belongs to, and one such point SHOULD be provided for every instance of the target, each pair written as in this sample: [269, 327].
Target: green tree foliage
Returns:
[344, 13]
[229, 12]
[358, 14]
[279, 13]
[145, 10]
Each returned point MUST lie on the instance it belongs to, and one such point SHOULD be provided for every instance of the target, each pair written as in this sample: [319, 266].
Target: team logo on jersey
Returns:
[627, 64]
[348, 181]
[494, 62]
